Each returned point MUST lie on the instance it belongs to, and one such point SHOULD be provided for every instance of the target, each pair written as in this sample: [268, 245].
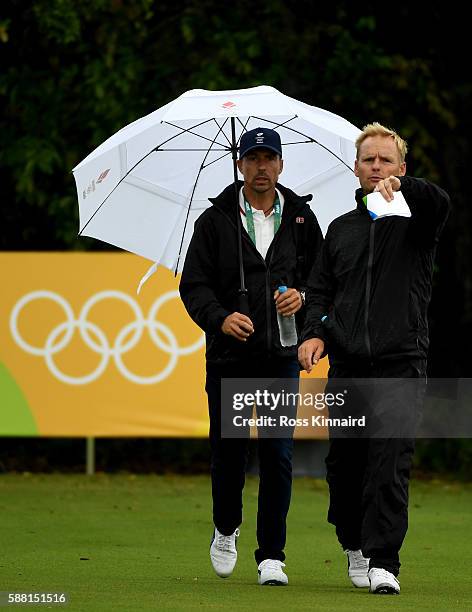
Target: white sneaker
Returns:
[383, 582]
[270, 572]
[357, 568]
[223, 553]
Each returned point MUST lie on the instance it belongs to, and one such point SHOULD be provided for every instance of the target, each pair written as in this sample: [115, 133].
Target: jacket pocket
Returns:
[334, 331]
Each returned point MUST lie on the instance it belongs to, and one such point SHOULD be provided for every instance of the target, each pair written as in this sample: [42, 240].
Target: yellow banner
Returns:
[81, 354]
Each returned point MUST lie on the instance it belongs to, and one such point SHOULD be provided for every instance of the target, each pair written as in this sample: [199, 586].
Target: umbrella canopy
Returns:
[144, 187]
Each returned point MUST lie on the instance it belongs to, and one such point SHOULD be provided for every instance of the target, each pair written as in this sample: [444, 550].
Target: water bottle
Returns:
[287, 326]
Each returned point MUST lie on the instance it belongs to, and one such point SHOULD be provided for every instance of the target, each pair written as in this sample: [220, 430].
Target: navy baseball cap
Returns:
[260, 138]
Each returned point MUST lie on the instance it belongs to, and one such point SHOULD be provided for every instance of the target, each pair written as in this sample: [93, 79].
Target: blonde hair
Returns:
[377, 129]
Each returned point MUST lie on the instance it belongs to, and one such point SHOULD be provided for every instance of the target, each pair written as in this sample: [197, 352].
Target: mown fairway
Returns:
[141, 543]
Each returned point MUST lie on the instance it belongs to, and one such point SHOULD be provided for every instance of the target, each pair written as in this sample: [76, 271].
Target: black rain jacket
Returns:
[372, 284]
[210, 277]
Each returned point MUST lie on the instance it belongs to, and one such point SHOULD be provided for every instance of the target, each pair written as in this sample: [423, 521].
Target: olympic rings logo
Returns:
[100, 343]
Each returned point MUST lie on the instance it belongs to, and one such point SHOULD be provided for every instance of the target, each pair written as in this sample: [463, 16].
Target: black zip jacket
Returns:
[210, 277]
[372, 284]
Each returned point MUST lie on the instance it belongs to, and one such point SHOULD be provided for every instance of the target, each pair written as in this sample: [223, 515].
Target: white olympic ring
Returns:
[102, 347]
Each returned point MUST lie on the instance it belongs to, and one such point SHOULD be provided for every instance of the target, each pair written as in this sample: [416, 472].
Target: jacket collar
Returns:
[360, 204]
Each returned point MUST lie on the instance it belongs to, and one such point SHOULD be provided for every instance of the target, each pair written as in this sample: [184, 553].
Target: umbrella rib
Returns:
[119, 183]
[180, 133]
[159, 149]
[193, 192]
[189, 131]
[216, 160]
[244, 126]
[306, 136]
[298, 142]
[283, 124]
[221, 127]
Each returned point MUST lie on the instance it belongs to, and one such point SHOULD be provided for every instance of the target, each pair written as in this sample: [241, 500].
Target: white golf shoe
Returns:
[383, 582]
[357, 568]
[223, 553]
[270, 572]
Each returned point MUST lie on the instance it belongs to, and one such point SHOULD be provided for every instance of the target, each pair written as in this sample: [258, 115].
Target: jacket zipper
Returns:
[268, 302]
[246, 237]
[268, 293]
[368, 286]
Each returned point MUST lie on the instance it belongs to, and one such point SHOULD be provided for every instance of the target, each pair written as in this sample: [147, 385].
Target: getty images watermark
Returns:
[274, 409]
[347, 408]
[277, 408]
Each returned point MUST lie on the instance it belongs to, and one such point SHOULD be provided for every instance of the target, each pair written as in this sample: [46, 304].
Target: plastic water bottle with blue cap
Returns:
[287, 325]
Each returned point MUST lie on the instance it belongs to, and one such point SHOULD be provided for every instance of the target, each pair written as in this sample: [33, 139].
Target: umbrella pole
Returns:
[243, 298]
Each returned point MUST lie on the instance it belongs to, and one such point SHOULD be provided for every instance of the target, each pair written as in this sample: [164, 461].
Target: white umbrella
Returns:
[144, 187]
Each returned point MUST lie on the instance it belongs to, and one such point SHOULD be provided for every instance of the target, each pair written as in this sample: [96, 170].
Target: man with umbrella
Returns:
[279, 242]
[368, 301]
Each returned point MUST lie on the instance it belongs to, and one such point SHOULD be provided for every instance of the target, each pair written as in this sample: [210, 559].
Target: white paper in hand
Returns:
[378, 206]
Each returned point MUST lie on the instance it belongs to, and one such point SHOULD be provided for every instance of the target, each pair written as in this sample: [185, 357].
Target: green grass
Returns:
[141, 543]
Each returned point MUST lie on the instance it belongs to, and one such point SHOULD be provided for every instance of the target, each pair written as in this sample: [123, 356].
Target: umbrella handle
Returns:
[243, 302]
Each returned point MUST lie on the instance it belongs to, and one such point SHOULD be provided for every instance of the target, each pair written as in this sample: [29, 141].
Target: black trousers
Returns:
[229, 462]
[369, 477]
